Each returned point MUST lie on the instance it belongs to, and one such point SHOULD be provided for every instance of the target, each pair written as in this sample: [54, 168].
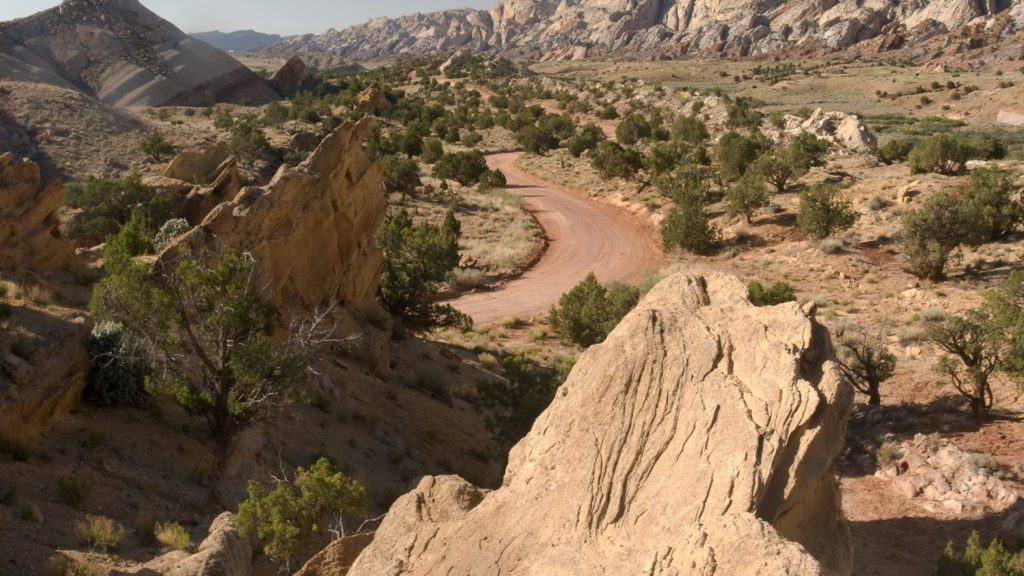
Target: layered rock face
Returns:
[29, 227]
[577, 28]
[698, 439]
[124, 55]
[311, 229]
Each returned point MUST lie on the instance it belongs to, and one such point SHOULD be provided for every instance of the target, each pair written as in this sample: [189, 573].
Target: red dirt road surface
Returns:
[583, 237]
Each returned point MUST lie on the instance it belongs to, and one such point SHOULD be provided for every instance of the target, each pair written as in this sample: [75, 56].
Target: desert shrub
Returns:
[736, 152]
[418, 261]
[932, 233]
[612, 160]
[119, 369]
[466, 168]
[896, 150]
[99, 532]
[588, 312]
[104, 205]
[536, 139]
[747, 195]
[586, 139]
[689, 129]
[156, 146]
[274, 114]
[688, 227]
[433, 149]
[516, 401]
[972, 355]
[133, 239]
[794, 160]
[471, 138]
[169, 232]
[206, 329]
[247, 139]
[824, 211]
[1003, 312]
[492, 179]
[684, 186]
[865, 359]
[777, 293]
[223, 120]
[741, 114]
[410, 141]
[632, 129]
[401, 174]
[942, 154]
[979, 560]
[992, 205]
[172, 536]
[294, 516]
[73, 490]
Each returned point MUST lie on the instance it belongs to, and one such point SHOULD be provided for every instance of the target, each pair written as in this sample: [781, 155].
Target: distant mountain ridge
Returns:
[124, 55]
[239, 40]
[566, 29]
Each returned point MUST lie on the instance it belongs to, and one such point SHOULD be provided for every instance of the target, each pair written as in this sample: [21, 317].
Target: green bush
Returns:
[866, 361]
[433, 149]
[536, 139]
[588, 137]
[932, 233]
[612, 160]
[104, 205]
[295, 517]
[942, 154]
[119, 368]
[824, 211]
[663, 157]
[247, 139]
[156, 146]
[777, 293]
[736, 152]
[418, 260]
[992, 204]
[688, 227]
[401, 174]
[689, 129]
[979, 560]
[223, 120]
[747, 195]
[274, 114]
[466, 168]
[896, 150]
[133, 239]
[632, 129]
[492, 179]
[1004, 323]
[588, 312]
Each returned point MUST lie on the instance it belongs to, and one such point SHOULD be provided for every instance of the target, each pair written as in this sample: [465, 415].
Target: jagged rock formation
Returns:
[196, 181]
[566, 29]
[124, 55]
[697, 439]
[839, 128]
[291, 77]
[239, 40]
[311, 229]
[373, 100]
[29, 227]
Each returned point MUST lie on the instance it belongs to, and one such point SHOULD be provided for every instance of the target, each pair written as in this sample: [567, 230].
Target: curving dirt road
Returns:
[583, 237]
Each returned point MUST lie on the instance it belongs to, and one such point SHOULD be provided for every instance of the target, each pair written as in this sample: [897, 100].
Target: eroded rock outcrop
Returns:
[198, 180]
[698, 439]
[224, 552]
[291, 77]
[311, 230]
[29, 227]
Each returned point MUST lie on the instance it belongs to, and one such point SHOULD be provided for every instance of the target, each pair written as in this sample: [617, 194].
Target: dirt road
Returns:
[584, 236]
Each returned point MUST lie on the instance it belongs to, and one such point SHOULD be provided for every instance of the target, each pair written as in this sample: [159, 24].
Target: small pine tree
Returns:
[588, 312]
[688, 227]
[824, 211]
[747, 195]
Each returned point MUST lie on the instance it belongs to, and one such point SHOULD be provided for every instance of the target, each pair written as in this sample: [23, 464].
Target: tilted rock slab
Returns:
[311, 229]
[29, 226]
[698, 439]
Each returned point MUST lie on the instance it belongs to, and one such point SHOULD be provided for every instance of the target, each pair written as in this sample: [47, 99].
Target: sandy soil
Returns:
[583, 237]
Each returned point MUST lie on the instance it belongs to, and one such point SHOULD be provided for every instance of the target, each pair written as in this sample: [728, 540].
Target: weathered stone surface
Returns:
[223, 553]
[373, 100]
[311, 229]
[337, 558]
[29, 227]
[555, 29]
[840, 128]
[124, 55]
[697, 439]
[291, 77]
[197, 166]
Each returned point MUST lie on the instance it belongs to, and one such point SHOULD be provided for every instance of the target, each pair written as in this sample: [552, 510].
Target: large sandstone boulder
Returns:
[197, 166]
[311, 229]
[29, 227]
[840, 128]
[223, 553]
[698, 439]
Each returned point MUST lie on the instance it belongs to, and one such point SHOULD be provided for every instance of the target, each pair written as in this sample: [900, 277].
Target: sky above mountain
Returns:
[271, 16]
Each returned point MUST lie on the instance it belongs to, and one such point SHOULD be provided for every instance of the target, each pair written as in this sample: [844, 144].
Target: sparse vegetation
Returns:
[777, 293]
[588, 312]
[99, 532]
[824, 211]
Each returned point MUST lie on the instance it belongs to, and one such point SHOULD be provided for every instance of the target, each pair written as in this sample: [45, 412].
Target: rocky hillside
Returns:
[580, 28]
[124, 55]
[239, 40]
[700, 404]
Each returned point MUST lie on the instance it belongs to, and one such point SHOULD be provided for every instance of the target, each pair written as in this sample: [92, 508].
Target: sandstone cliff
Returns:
[697, 440]
[124, 55]
[578, 28]
[29, 235]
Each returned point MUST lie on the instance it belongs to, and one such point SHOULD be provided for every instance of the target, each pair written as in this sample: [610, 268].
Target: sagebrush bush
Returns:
[896, 150]
[99, 532]
[169, 232]
[588, 312]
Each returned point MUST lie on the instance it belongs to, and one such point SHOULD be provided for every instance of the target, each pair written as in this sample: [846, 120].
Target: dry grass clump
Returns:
[172, 536]
[99, 532]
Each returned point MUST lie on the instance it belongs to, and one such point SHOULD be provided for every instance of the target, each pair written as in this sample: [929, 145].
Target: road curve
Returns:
[583, 237]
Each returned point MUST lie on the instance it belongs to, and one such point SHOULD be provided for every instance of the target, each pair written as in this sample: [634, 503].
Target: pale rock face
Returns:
[223, 553]
[29, 225]
[124, 55]
[698, 439]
